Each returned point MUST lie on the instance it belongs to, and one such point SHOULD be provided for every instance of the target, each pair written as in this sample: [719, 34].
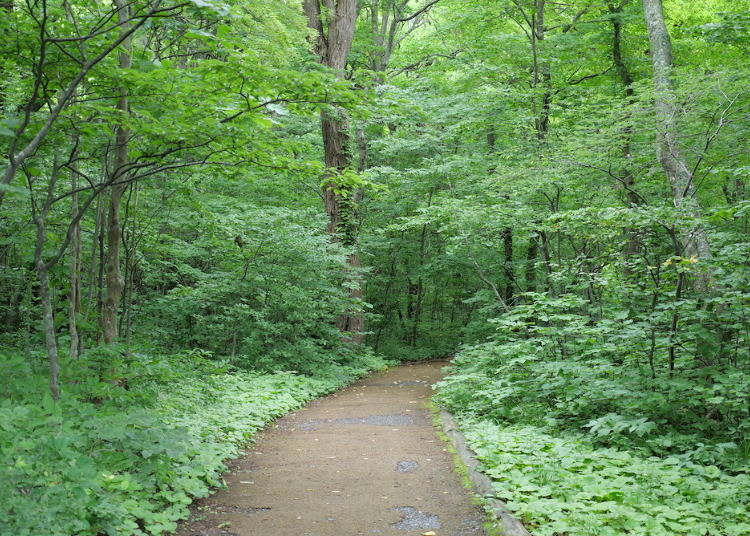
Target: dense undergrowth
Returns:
[134, 439]
[582, 437]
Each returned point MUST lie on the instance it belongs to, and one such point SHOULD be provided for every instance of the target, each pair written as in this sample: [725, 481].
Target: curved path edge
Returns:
[364, 461]
[508, 524]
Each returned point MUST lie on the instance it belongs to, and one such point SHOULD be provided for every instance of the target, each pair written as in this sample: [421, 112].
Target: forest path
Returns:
[365, 460]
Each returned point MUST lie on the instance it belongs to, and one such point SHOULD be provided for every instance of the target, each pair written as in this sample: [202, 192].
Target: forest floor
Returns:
[365, 460]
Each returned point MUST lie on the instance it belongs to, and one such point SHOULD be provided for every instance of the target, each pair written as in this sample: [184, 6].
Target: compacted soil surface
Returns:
[365, 460]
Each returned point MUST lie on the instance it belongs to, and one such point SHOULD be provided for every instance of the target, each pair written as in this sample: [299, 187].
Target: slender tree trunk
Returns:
[74, 305]
[114, 276]
[129, 241]
[101, 264]
[541, 75]
[45, 295]
[417, 289]
[694, 239]
[48, 322]
[387, 308]
[6, 10]
[541, 70]
[507, 232]
[626, 180]
[546, 258]
[508, 271]
[420, 282]
[531, 255]
[94, 256]
[114, 281]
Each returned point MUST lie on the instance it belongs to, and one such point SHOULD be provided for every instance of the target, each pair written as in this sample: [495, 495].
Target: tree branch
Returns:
[417, 13]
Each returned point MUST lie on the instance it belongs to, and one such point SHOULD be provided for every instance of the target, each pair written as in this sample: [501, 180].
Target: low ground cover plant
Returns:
[129, 456]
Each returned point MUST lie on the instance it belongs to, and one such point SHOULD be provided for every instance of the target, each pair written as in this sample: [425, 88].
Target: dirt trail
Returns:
[363, 461]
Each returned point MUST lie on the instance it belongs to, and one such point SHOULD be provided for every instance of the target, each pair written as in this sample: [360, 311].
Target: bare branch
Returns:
[417, 13]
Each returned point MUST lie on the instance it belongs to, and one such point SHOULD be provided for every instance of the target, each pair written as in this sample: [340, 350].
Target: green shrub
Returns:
[584, 436]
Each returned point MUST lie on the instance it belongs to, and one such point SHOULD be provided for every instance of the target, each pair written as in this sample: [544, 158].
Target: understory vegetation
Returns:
[129, 457]
[212, 211]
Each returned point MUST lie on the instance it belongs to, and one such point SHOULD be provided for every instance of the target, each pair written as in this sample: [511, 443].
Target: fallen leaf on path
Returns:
[428, 534]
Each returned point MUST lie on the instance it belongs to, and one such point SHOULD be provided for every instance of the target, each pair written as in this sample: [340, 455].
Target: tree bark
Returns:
[694, 239]
[541, 70]
[509, 275]
[332, 43]
[6, 10]
[114, 276]
[48, 322]
[419, 287]
[626, 180]
[531, 256]
[74, 305]
[93, 287]
[39, 216]
[508, 271]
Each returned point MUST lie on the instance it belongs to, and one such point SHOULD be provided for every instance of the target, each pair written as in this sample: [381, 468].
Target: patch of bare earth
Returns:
[362, 461]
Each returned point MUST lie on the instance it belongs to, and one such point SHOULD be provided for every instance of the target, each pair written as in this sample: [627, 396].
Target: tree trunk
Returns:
[420, 283]
[6, 10]
[541, 70]
[101, 264]
[48, 326]
[130, 244]
[668, 150]
[74, 305]
[386, 306]
[508, 271]
[507, 232]
[92, 278]
[626, 180]
[333, 40]
[114, 277]
[531, 255]
[45, 297]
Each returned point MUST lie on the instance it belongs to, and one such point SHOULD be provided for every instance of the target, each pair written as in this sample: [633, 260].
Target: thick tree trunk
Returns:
[114, 276]
[333, 40]
[337, 158]
[695, 242]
